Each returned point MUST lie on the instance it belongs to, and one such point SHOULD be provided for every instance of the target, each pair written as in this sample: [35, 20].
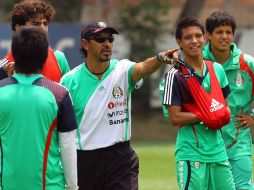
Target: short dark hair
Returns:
[186, 22]
[31, 9]
[30, 49]
[220, 18]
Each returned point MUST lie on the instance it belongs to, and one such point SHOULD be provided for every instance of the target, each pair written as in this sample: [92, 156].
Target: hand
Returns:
[9, 68]
[245, 121]
[169, 56]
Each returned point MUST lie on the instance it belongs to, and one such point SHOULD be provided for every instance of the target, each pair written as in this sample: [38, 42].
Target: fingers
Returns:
[170, 56]
[244, 121]
[9, 68]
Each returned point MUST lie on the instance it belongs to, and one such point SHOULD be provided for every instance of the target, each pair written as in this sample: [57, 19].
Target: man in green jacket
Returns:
[239, 69]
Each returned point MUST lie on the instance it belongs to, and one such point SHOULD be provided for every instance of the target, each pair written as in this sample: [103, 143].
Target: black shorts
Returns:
[111, 168]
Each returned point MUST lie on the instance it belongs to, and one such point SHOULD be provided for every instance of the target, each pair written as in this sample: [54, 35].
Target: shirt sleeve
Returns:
[66, 116]
[2, 74]
[67, 144]
[172, 90]
[62, 62]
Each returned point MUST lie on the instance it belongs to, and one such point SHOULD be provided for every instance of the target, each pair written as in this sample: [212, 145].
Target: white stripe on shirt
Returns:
[168, 86]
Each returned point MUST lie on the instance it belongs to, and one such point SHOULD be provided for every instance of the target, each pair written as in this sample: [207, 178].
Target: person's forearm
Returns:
[178, 117]
[184, 118]
[145, 68]
[151, 64]
[67, 143]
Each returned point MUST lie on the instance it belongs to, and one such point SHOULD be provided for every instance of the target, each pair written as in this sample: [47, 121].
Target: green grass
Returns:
[157, 166]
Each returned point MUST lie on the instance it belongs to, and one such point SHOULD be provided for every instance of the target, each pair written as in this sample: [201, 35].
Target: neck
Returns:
[97, 69]
[196, 63]
[220, 56]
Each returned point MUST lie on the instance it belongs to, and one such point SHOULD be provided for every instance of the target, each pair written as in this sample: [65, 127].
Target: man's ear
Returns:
[207, 35]
[17, 27]
[85, 44]
[179, 43]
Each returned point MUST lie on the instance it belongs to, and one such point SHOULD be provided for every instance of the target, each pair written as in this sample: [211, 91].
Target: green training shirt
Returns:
[237, 141]
[33, 110]
[196, 142]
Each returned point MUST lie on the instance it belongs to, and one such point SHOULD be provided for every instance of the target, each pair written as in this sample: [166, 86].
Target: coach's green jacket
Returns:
[237, 141]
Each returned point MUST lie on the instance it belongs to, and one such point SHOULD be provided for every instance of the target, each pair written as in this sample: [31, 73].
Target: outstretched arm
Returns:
[150, 65]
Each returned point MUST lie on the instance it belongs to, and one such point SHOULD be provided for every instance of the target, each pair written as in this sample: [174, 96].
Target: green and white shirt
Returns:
[102, 107]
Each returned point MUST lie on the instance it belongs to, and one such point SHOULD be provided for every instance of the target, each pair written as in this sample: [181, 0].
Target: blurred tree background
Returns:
[142, 23]
[67, 11]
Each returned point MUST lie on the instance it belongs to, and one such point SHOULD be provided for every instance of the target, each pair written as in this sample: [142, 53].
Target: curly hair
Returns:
[220, 18]
[31, 9]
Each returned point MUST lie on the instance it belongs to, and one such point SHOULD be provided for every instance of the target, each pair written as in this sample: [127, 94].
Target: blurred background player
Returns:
[239, 69]
[35, 13]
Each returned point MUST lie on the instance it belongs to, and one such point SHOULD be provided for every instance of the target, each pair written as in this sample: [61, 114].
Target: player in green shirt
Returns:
[37, 122]
[201, 159]
[239, 69]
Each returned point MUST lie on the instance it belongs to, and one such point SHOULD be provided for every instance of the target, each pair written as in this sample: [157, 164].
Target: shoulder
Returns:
[123, 63]
[172, 73]
[172, 76]
[74, 71]
[58, 90]
[248, 58]
[72, 74]
[58, 53]
[60, 56]
[217, 65]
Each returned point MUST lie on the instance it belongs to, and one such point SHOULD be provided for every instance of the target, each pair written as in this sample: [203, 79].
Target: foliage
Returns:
[66, 11]
[142, 22]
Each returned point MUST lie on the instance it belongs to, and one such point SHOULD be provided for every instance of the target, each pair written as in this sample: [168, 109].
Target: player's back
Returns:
[28, 113]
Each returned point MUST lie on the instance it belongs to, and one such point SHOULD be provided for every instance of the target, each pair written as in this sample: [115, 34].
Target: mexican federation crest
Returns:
[239, 79]
[117, 92]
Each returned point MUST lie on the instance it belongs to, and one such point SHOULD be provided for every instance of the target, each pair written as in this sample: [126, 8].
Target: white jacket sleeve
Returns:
[67, 143]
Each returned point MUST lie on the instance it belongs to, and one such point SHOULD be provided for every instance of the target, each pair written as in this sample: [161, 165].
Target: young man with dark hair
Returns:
[101, 91]
[201, 159]
[239, 69]
[37, 121]
[35, 13]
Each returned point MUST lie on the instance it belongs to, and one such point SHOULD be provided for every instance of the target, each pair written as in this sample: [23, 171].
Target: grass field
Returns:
[157, 166]
[153, 139]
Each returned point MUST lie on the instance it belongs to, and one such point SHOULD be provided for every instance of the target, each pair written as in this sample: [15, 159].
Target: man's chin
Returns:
[105, 59]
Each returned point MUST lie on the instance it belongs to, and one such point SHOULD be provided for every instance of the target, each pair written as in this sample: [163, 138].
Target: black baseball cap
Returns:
[95, 28]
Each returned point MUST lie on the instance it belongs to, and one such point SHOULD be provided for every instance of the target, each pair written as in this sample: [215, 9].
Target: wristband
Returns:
[159, 58]
[164, 59]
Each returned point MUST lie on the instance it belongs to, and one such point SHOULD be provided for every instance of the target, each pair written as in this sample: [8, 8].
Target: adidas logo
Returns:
[215, 105]
[102, 88]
